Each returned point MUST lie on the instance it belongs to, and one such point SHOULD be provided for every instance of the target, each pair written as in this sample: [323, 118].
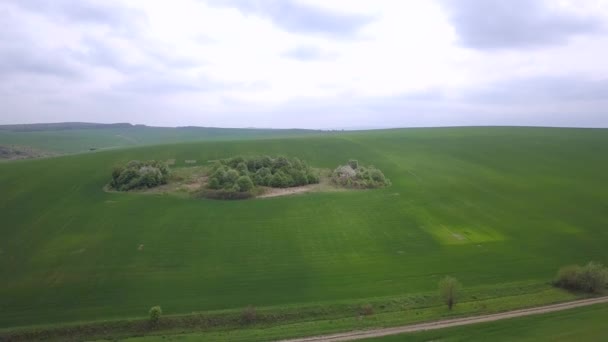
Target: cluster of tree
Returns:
[137, 174]
[592, 278]
[353, 175]
[241, 174]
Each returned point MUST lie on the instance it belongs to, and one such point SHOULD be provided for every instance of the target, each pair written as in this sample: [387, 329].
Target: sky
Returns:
[324, 64]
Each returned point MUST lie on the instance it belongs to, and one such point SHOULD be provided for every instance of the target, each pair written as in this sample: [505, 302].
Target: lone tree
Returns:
[448, 290]
[155, 313]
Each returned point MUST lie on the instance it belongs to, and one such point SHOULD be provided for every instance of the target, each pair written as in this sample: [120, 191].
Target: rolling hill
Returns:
[498, 208]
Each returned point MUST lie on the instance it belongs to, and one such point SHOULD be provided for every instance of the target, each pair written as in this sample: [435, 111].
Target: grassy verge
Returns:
[580, 324]
[294, 321]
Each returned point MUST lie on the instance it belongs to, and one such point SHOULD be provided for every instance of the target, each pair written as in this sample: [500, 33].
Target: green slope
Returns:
[81, 140]
[487, 205]
[582, 324]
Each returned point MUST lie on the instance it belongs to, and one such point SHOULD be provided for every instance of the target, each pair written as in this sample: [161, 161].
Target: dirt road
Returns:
[359, 335]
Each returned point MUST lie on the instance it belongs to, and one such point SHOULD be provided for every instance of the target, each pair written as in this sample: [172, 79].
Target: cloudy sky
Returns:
[305, 63]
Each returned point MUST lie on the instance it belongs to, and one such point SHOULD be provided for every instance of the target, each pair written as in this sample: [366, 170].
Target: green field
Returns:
[82, 140]
[493, 207]
[582, 324]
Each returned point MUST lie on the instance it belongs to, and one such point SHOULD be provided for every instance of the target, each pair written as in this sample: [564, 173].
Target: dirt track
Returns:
[358, 335]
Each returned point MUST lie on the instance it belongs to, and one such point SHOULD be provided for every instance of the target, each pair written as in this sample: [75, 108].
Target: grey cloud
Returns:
[300, 18]
[496, 24]
[83, 11]
[20, 54]
[46, 63]
[536, 90]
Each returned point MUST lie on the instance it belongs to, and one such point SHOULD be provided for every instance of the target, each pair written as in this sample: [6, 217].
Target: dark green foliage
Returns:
[136, 175]
[241, 174]
[244, 183]
[353, 175]
[154, 314]
[592, 278]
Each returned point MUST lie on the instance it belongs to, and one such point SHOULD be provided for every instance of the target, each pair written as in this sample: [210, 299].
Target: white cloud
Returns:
[389, 63]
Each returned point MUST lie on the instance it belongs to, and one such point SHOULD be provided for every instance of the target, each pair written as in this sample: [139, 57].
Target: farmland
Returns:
[83, 137]
[498, 208]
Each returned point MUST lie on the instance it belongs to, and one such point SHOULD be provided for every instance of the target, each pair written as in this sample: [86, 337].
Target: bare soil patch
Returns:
[275, 192]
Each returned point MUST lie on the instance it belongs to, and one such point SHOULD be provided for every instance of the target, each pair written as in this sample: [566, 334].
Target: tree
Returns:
[242, 169]
[155, 313]
[449, 288]
[231, 176]
[245, 184]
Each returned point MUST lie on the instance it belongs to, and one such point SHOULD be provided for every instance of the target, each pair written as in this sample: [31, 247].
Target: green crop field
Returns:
[82, 140]
[582, 324]
[494, 207]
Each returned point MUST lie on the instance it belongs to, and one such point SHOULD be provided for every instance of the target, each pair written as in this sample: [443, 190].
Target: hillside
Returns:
[83, 137]
[495, 207]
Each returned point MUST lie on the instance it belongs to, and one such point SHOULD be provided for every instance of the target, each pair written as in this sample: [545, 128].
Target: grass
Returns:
[581, 324]
[301, 320]
[524, 200]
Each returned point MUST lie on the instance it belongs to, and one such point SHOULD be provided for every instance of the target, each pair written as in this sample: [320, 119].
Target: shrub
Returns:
[568, 277]
[354, 164]
[136, 174]
[354, 175]
[367, 310]
[232, 176]
[214, 183]
[249, 315]
[244, 183]
[155, 313]
[280, 172]
[591, 278]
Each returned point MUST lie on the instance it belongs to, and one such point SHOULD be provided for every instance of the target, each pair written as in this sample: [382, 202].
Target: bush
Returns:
[136, 175]
[367, 310]
[244, 174]
[353, 175]
[249, 315]
[245, 184]
[591, 278]
[155, 313]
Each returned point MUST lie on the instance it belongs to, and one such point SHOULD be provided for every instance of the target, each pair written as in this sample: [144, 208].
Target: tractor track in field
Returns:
[447, 323]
